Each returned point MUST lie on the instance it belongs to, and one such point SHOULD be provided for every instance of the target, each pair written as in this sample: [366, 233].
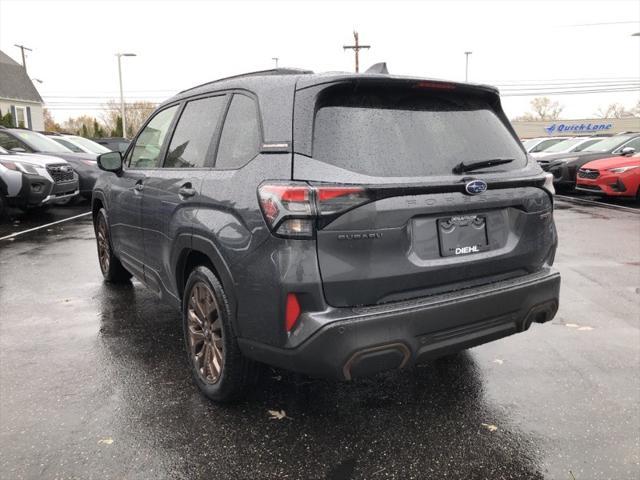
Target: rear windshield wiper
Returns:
[467, 167]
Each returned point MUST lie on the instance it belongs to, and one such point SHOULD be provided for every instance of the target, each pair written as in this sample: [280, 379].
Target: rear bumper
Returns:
[362, 341]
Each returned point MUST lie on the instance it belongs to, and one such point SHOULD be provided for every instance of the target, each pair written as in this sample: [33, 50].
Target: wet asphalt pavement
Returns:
[94, 383]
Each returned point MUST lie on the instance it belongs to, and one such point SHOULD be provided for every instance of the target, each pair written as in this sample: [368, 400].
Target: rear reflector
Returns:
[292, 311]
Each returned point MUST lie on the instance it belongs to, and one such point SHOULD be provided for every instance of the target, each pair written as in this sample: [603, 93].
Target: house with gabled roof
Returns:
[19, 96]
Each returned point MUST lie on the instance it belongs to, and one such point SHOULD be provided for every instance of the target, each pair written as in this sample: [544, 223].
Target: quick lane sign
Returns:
[577, 127]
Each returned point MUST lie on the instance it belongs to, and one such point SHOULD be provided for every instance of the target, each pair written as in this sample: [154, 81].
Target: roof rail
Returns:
[273, 71]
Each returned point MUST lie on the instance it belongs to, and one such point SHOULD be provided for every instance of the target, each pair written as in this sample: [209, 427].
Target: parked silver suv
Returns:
[35, 181]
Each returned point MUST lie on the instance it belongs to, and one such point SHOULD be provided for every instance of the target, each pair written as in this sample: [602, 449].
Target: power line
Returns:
[569, 92]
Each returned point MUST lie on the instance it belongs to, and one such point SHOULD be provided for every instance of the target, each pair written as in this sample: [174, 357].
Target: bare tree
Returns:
[50, 125]
[546, 109]
[82, 125]
[136, 113]
[617, 110]
[543, 108]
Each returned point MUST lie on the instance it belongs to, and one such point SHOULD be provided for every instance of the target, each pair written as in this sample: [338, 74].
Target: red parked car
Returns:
[614, 176]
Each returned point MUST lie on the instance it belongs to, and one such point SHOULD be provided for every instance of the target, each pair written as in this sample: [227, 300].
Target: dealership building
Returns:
[582, 127]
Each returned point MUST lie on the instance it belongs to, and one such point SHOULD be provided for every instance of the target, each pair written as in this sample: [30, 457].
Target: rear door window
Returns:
[240, 138]
[148, 146]
[405, 132]
[193, 141]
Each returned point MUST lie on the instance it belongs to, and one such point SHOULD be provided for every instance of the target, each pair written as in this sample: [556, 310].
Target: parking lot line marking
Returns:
[598, 204]
[44, 226]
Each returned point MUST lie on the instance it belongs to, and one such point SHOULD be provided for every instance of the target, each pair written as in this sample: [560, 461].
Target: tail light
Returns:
[291, 209]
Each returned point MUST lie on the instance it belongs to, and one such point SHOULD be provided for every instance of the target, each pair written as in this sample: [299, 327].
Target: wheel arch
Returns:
[201, 251]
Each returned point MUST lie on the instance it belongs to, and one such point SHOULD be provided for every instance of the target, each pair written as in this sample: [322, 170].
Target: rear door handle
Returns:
[187, 191]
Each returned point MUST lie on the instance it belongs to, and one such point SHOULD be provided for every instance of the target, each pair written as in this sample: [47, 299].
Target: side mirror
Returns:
[627, 151]
[110, 162]
[18, 150]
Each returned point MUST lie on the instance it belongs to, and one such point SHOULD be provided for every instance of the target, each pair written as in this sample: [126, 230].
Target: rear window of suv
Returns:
[408, 132]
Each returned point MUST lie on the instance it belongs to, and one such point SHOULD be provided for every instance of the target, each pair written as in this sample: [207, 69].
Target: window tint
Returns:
[192, 141]
[240, 139]
[586, 144]
[8, 142]
[69, 145]
[543, 145]
[146, 151]
[404, 132]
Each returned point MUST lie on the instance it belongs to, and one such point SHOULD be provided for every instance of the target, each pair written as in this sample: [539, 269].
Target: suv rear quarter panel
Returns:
[256, 268]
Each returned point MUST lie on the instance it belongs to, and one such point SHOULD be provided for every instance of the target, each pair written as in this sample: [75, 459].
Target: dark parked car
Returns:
[22, 140]
[332, 224]
[565, 166]
[115, 144]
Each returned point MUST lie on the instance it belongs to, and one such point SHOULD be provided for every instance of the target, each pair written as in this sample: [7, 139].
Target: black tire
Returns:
[236, 371]
[111, 268]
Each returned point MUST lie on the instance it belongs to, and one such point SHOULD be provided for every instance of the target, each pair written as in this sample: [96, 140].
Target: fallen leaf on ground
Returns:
[106, 441]
[572, 325]
[490, 427]
[277, 414]
[498, 361]
[586, 328]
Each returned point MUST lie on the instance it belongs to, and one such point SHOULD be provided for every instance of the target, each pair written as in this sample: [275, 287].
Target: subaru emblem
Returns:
[474, 187]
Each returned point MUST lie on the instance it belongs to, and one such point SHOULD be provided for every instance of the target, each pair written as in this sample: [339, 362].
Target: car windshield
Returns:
[90, 145]
[529, 143]
[39, 142]
[68, 144]
[564, 145]
[395, 132]
[608, 144]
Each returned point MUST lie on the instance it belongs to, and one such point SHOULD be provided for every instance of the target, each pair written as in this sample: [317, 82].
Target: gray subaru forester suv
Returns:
[333, 224]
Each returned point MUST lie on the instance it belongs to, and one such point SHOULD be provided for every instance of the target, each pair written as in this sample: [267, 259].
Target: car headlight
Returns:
[20, 166]
[623, 169]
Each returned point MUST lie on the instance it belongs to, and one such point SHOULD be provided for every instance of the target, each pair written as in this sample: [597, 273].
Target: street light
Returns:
[124, 122]
[466, 66]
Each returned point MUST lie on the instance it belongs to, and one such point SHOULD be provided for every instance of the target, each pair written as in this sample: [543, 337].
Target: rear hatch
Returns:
[416, 228]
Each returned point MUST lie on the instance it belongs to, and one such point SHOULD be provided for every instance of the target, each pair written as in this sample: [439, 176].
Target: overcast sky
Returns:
[521, 45]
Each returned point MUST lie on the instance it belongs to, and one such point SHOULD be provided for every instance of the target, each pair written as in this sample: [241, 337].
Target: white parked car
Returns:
[534, 145]
[78, 144]
[575, 144]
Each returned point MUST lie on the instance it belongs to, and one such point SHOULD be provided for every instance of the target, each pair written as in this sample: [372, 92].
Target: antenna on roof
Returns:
[378, 68]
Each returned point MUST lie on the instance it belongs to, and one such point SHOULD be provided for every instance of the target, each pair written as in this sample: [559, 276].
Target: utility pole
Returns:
[122, 112]
[466, 66]
[356, 48]
[275, 59]
[24, 60]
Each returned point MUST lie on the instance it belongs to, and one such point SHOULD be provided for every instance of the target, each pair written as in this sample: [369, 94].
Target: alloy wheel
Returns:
[104, 252]
[204, 331]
